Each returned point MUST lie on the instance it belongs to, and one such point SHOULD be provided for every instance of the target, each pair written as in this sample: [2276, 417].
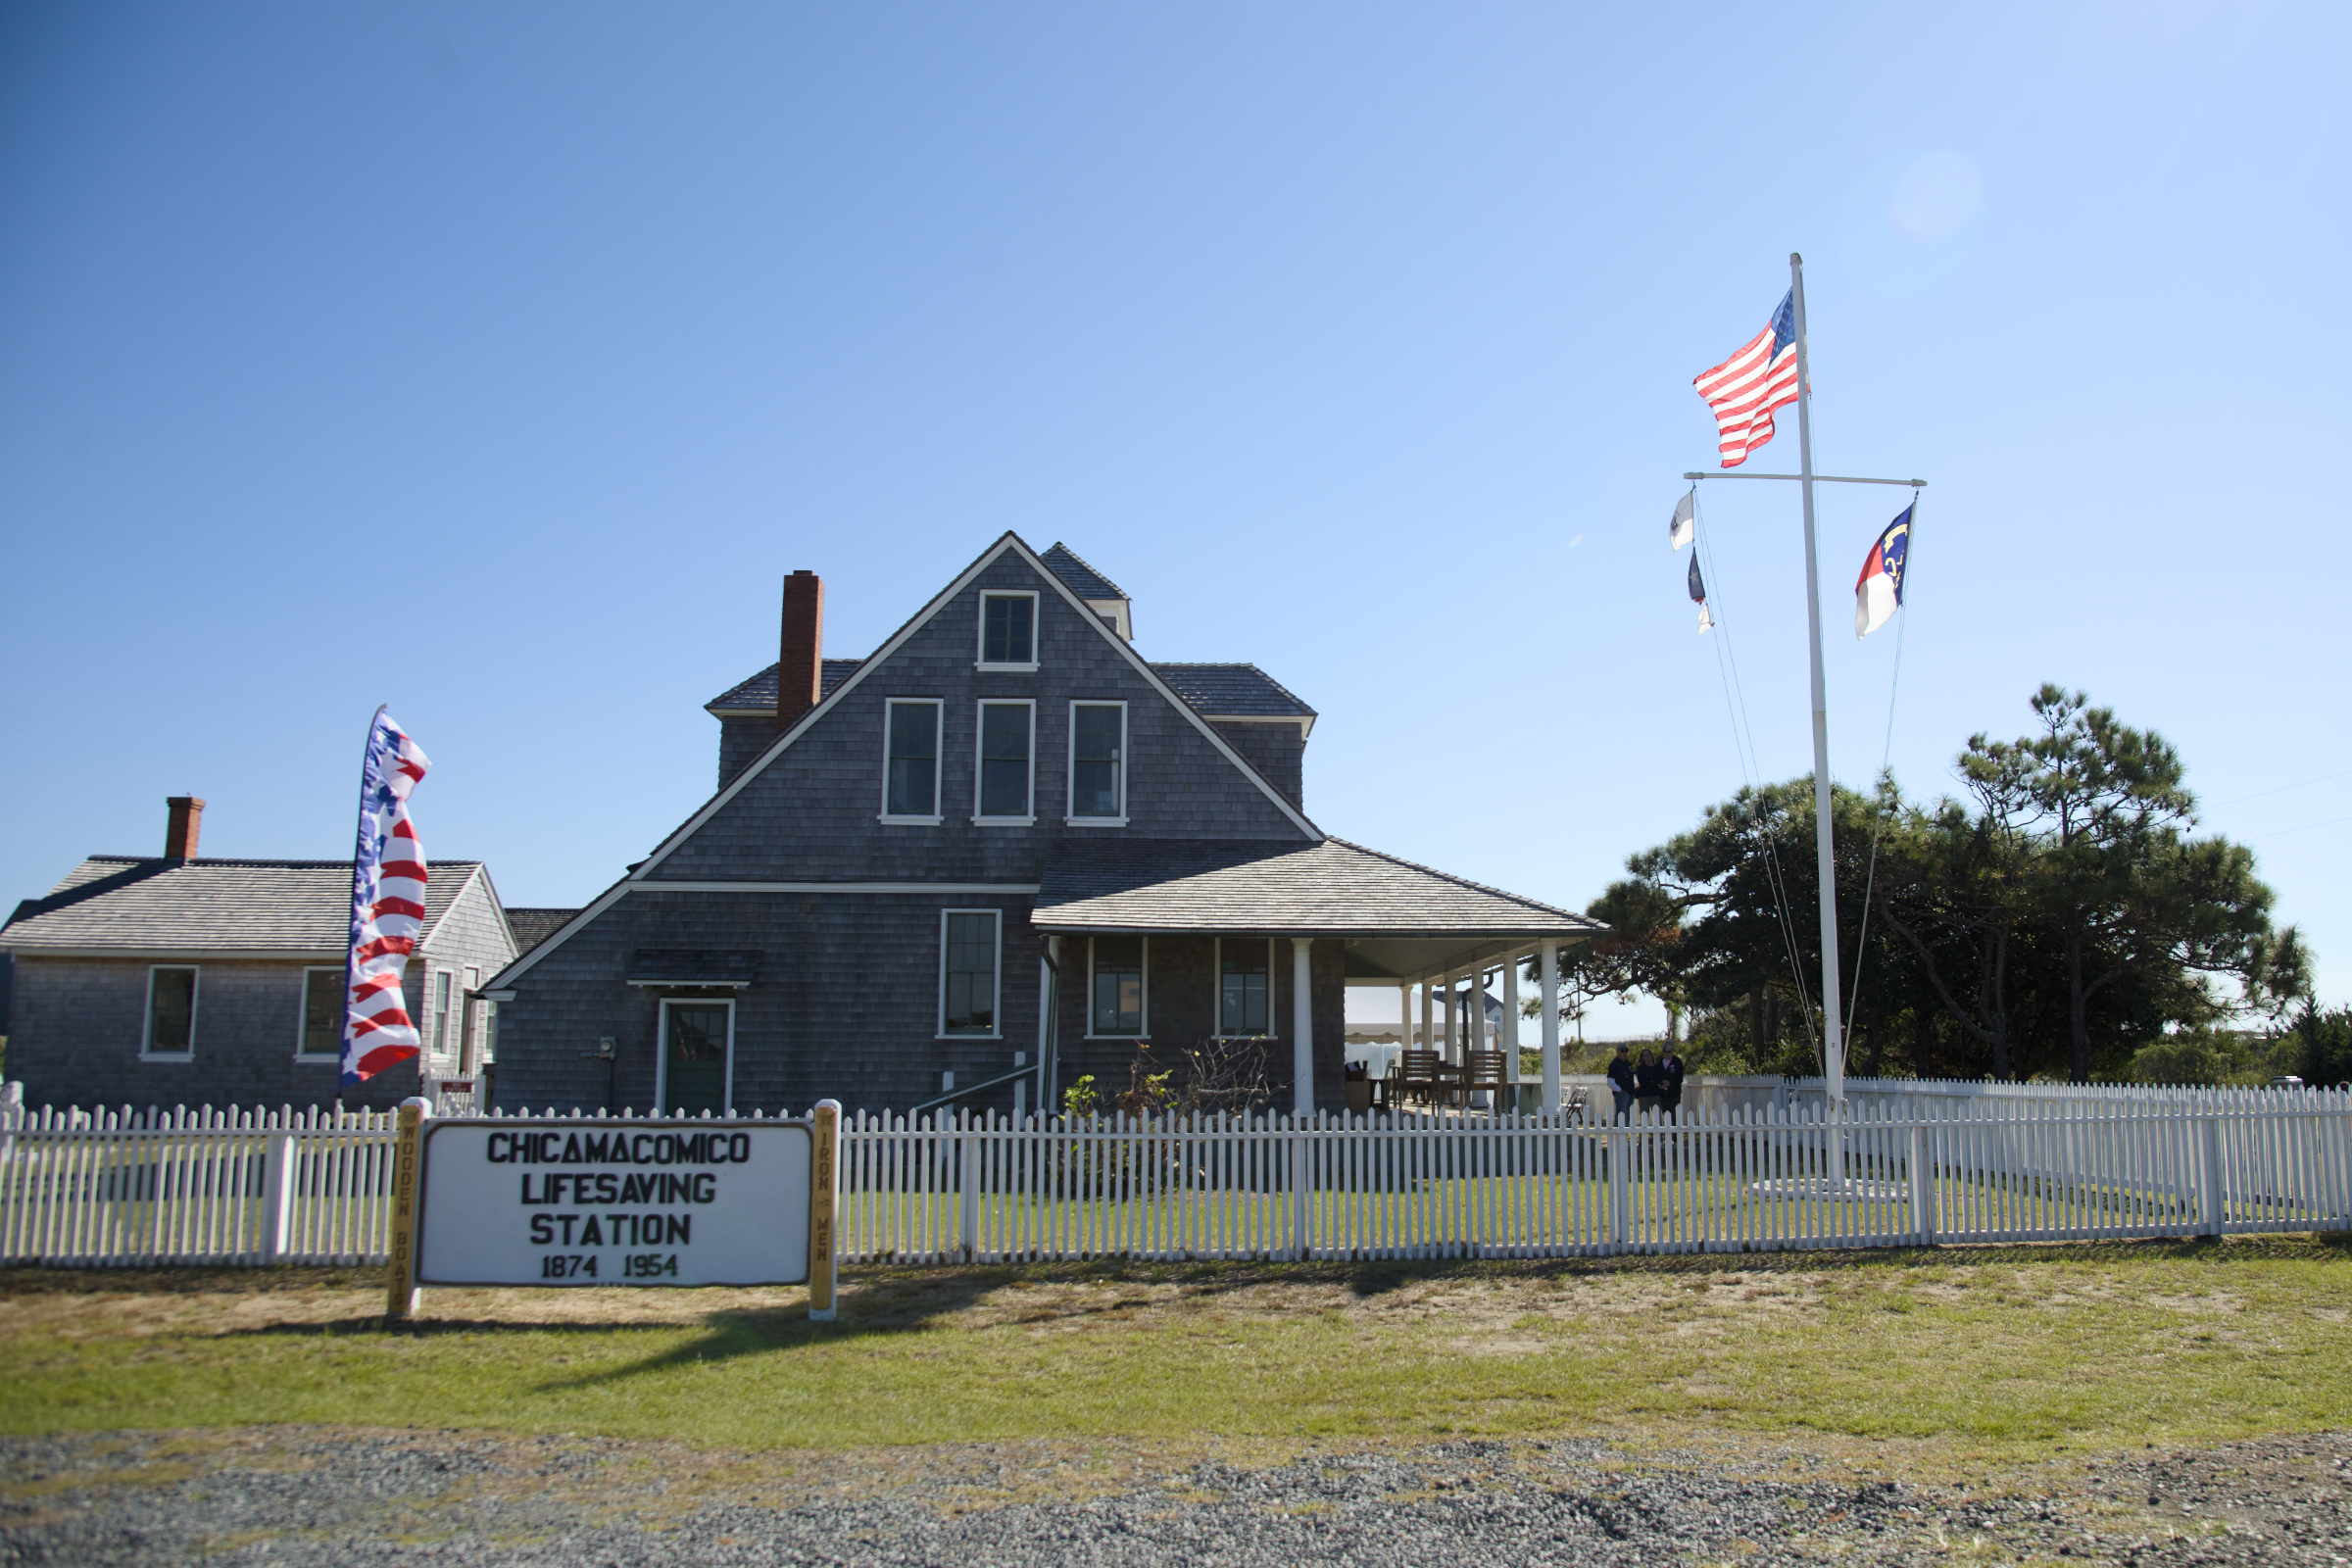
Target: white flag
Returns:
[1685, 515]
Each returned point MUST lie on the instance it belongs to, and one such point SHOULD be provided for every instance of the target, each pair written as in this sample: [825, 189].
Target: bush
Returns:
[2179, 1059]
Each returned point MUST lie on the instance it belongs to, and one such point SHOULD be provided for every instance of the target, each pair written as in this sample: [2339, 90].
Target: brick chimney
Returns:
[799, 661]
[179, 827]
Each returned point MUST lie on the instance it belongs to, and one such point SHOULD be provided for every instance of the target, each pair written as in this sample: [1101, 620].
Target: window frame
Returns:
[980, 660]
[726, 1093]
[1217, 1000]
[996, 1009]
[1143, 1014]
[939, 756]
[440, 990]
[1069, 798]
[980, 709]
[301, 1012]
[147, 1021]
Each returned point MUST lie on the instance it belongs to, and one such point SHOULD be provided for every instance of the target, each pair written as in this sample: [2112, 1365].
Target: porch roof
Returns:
[1398, 920]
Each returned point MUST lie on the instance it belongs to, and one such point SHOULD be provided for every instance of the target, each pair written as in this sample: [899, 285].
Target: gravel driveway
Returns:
[297, 1495]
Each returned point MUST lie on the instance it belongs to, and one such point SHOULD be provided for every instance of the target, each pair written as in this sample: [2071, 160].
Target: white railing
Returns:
[1908, 1167]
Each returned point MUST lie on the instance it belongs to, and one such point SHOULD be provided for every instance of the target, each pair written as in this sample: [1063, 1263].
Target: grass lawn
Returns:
[2004, 1354]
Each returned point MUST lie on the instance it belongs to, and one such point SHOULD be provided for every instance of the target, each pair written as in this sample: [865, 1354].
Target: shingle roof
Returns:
[1083, 580]
[141, 904]
[534, 926]
[1333, 888]
[1222, 689]
[758, 695]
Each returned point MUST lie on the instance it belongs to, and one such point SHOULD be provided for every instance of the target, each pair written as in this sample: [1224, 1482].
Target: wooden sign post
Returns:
[407, 1147]
[824, 1187]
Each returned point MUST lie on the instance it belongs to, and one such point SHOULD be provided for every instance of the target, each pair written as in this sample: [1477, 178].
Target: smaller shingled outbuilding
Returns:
[173, 980]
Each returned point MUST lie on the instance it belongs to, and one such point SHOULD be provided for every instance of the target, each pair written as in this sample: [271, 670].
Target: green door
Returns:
[697, 1076]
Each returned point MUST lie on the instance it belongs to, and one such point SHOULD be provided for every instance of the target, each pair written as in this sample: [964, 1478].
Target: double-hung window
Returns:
[1007, 770]
[440, 1033]
[1099, 765]
[910, 760]
[1116, 993]
[1009, 631]
[969, 971]
[170, 1027]
[322, 1014]
[1245, 986]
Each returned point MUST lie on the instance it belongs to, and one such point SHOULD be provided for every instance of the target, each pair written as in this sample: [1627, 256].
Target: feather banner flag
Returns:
[1698, 591]
[1686, 520]
[388, 876]
[1879, 590]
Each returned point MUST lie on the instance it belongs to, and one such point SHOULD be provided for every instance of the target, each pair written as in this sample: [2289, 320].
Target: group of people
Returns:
[1655, 1083]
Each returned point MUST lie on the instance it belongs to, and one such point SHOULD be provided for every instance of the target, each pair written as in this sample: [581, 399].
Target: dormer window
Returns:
[1008, 632]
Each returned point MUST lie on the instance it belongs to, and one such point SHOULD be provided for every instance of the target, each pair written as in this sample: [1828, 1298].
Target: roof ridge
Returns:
[250, 860]
[1463, 881]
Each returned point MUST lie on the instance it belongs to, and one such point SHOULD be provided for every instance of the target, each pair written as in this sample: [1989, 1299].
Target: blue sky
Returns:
[498, 361]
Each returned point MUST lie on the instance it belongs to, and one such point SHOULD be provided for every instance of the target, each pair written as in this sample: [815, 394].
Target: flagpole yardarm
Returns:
[1832, 1043]
[1818, 478]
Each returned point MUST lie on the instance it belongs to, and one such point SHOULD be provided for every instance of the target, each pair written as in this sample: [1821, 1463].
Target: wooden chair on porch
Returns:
[1417, 1076]
[1483, 1069]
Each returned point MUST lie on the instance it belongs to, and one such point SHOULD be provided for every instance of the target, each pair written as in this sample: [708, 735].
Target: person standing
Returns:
[1646, 1080]
[1622, 1084]
[1670, 1084]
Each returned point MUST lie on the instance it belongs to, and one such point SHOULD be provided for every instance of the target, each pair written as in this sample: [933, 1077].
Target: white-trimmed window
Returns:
[1118, 996]
[910, 760]
[1245, 986]
[322, 1036]
[438, 1010]
[1004, 777]
[694, 1070]
[970, 969]
[168, 1032]
[1009, 631]
[1097, 764]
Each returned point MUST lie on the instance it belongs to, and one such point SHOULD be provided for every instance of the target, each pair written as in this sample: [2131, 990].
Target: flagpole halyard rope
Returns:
[1878, 816]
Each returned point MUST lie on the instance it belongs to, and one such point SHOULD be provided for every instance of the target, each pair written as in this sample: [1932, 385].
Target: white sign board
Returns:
[614, 1202]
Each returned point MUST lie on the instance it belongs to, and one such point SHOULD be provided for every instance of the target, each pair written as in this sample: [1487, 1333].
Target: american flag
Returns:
[1746, 388]
[388, 907]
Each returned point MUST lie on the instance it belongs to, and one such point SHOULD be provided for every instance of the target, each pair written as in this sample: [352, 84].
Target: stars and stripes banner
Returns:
[388, 907]
[1746, 388]
[1879, 590]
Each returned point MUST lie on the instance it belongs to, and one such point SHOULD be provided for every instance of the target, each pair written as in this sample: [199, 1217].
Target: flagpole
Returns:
[1833, 1042]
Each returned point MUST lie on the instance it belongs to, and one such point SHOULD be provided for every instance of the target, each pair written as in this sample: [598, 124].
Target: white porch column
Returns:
[1452, 1053]
[1549, 957]
[1428, 1025]
[1510, 1021]
[1302, 1027]
[1405, 1017]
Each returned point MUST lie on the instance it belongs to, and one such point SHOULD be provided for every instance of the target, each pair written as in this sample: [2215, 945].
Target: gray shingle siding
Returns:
[812, 813]
[845, 1003]
[1277, 751]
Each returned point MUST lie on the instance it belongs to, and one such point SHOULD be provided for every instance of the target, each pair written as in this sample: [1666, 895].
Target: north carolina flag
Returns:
[1879, 590]
[388, 876]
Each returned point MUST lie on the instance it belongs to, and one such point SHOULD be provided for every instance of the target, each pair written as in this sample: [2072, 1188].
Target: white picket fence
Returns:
[1904, 1167]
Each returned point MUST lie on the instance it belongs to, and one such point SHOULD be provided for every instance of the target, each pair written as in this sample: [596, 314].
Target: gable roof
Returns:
[1009, 542]
[1234, 690]
[134, 904]
[1399, 919]
[1082, 579]
[758, 695]
[532, 926]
